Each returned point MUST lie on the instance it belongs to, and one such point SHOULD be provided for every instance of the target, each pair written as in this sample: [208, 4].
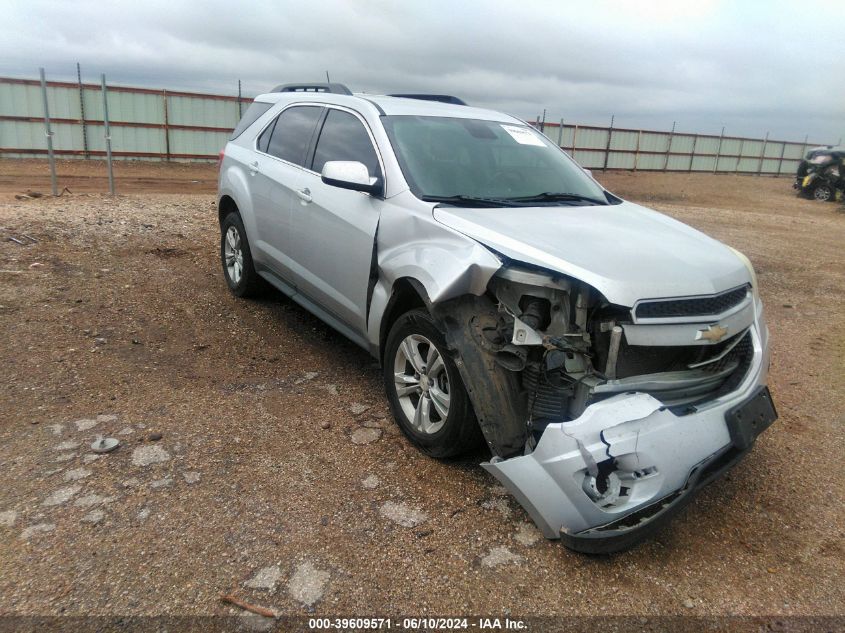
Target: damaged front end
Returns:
[604, 419]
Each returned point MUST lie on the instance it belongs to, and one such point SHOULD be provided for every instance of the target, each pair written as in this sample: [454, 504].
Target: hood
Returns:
[624, 251]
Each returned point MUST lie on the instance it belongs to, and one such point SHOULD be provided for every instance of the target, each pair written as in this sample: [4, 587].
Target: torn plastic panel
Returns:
[585, 428]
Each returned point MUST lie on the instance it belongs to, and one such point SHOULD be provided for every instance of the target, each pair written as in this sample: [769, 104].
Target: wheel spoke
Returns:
[230, 239]
[435, 366]
[440, 399]
[412, 354]
[422, 415]
[406, 385]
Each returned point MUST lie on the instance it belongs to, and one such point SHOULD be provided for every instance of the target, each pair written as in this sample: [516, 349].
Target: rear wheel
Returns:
[236, 258]
[425, 391]
[823, 193]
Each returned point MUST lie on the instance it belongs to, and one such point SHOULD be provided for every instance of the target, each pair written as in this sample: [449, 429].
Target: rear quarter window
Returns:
[252, 114]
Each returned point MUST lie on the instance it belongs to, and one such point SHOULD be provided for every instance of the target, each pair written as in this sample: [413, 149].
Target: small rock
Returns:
[36, 265]
[90, 457]
[34, 421]
[147, 455]
[65, 457]
[56, 428]
[154, 437]
[62, 495]
[689, 604]
[85, 424]
[370, 482]
[191, 476]
[8, 518]
[95, 516]
[365, 436]
[143, 514]
[164, 482]
[76, 474]
[527, 534]
[371, 424]
[308, 375]
[308, 584]
[35, 529]
[499, 504]
[357, 408]
[100, 340]
[324, 521]
[500, 556]
[66, 446]
[126, 430]
[325, 425]
[92, 499]
[332, 389]
[106, 417]
[403, 514]
[266, 578]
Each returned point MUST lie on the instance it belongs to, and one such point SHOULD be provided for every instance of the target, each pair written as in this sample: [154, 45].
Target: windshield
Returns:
[469, 160]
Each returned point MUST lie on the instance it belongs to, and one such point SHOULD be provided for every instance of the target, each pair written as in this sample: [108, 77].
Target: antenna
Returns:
[328, 81]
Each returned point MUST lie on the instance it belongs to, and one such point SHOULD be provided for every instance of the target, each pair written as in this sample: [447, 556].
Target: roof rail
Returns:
[441, 98]
[318, 87]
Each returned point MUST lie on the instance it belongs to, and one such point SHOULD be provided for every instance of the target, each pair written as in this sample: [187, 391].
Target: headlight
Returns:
[755, 288]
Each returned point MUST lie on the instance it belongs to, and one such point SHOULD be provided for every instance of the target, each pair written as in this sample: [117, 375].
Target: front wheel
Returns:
[425, 391]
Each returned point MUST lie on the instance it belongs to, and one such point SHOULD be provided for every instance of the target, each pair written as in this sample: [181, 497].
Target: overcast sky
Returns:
[751, 66]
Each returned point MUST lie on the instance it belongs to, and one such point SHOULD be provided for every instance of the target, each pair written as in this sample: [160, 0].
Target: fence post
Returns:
[166, 126]
[240, 111]
[669, 147]
[543, 122]
[574, 137]
[560, 134]
[107, 132]
[804, 147]
[739, 157]
[692, 156]
[762, 154]
[782, 152]
[82, 111]
[609, 137]
[637, 151]
[53, 186]
[719, 150]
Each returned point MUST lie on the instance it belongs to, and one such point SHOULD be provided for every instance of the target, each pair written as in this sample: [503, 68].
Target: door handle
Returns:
[253, 167]
[304, 194]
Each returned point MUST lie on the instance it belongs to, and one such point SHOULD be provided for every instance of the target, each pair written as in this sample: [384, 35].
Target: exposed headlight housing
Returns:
[755, 287]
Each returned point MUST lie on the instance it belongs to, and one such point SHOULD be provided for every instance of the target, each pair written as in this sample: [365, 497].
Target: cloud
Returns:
[752, 66]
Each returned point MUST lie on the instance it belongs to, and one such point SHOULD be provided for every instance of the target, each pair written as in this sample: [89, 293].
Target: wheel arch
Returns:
[407, 293]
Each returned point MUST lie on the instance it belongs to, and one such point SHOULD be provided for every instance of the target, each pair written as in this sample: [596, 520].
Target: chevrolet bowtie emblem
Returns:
[713, 333]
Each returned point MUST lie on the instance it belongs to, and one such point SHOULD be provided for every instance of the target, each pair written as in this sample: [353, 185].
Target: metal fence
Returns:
[145, 123]
[650, 150]
[161, 124]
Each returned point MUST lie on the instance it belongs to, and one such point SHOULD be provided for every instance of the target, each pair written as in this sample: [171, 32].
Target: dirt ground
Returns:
[279, 475]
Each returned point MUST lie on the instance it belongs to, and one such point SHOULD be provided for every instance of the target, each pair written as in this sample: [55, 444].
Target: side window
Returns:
[264, 139]
[252, 114]
[344, 138]
[292, 133]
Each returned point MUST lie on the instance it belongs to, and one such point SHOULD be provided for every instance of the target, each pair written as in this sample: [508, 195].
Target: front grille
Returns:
[695, 306]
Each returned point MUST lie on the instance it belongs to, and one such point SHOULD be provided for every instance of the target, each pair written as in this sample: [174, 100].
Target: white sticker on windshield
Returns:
[522, 135]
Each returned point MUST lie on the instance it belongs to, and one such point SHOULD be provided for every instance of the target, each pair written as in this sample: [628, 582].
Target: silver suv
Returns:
[612, 359]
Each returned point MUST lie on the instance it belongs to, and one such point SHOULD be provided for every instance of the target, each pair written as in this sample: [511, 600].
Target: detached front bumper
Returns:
[657, 461]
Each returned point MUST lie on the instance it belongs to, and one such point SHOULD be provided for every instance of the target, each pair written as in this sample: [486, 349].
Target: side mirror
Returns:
[589, 172]
[350, 174]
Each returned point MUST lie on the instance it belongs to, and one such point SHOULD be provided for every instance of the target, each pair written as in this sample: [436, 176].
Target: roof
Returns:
[392, 106]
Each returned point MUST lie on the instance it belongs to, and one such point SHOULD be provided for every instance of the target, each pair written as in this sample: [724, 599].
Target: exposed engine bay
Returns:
[541, 353]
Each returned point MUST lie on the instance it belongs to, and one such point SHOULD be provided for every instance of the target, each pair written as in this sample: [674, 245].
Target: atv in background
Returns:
[821, 174]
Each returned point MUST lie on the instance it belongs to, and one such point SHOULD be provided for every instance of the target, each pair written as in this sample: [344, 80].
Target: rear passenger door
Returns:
[334, 229]
[282, 149]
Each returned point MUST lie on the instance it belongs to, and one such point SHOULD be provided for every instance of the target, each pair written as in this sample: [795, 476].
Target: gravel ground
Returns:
[257, 456]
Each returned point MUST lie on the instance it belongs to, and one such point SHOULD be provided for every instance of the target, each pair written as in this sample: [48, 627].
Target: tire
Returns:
[418, 410]
[823, 193]
[236, 258]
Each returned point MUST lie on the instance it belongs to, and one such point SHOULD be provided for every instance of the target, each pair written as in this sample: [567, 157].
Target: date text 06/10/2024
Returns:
[423, 623]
